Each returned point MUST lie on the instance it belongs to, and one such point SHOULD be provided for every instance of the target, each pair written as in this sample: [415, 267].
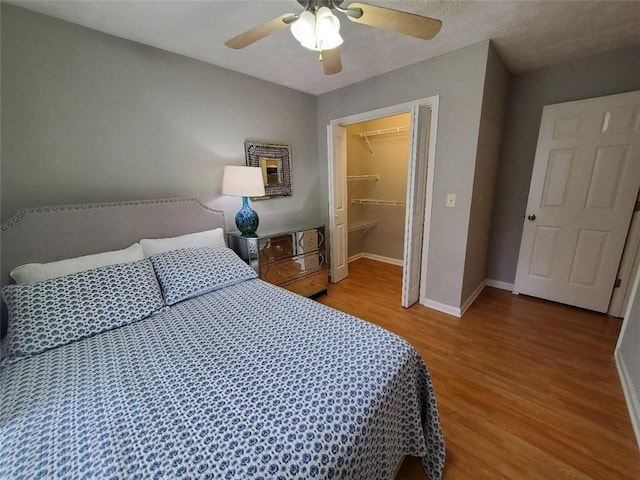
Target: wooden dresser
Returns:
[290, 257]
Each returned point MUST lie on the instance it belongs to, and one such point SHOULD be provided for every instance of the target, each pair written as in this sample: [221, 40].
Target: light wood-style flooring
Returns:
[527, 389]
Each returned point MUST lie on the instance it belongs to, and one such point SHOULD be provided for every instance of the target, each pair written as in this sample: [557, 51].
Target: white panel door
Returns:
[584, 185]
[414, 217]
[337, 142]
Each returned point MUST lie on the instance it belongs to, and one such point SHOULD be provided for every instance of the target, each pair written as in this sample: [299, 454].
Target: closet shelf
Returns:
[374, 201]
[384, 131]
[362, 226]
[351, 178]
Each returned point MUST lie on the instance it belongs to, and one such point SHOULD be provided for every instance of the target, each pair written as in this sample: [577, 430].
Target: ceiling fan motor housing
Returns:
[316, 4]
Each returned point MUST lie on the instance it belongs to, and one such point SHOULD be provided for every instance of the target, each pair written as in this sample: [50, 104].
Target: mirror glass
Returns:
[271, 171]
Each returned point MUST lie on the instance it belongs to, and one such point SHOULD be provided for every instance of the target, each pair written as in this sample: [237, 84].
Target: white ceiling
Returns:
[528, 34]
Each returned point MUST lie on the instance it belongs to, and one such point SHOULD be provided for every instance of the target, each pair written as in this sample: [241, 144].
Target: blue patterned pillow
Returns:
[55, 312]
[190, 272]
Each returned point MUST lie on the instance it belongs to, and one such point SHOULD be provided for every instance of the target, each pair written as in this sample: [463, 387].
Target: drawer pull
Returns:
[278, 248]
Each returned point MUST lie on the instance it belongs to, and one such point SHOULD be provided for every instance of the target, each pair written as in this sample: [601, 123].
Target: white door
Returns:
[414, 217]
[337, 144]
[584, 185]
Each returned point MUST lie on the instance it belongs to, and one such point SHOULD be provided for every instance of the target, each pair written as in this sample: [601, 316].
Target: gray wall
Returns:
[458, 77]
[89, 117]
[494, 105]
[607, 74]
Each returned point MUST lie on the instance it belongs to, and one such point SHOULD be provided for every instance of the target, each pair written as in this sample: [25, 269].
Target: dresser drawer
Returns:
[309, 241]
[314, 283]
[289, 256]
[292, 268]
[276, 248]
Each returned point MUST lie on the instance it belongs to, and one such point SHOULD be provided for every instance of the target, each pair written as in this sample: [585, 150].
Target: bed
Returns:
[188, 366]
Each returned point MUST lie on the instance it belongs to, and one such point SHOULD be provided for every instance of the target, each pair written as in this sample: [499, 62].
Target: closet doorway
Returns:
[377, 167]
[380, 184]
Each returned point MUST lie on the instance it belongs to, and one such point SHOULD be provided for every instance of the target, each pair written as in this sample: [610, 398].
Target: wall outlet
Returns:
[451, 200]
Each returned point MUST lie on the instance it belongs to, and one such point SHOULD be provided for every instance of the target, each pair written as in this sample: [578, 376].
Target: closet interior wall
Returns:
[377, 186]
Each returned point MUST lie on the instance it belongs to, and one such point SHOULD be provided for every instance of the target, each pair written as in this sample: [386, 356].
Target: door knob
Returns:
[531, 217]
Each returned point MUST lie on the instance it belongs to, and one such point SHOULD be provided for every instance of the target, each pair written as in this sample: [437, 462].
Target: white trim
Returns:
[431, 163]
[635, 290]
[489, 282]
[432, 102]
[380, 258]
[416, 202]
[633, 403]
[332, 215]
[629, 265]
[472, 298]
[355, 257]
[382, 112]
[441, 307]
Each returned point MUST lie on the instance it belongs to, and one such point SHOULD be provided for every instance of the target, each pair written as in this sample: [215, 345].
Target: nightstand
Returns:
[291, 257]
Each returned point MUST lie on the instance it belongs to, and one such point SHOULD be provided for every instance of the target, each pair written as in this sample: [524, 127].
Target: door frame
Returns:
[432, 103]
[629, 266]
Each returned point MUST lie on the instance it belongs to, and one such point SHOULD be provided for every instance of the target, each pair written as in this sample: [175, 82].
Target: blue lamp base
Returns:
[247, 219]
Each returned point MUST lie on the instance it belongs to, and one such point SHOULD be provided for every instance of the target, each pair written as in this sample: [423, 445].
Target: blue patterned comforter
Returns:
[214, 387]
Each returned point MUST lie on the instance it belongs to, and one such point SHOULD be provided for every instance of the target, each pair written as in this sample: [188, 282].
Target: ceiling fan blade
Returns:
[402, 22]
[258, 33]
[331, 61]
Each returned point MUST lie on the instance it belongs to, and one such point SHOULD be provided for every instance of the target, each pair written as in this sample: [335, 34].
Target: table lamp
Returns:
[244, 182]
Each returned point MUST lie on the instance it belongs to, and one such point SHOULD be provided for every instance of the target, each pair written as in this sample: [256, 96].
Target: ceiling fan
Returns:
[318, 29]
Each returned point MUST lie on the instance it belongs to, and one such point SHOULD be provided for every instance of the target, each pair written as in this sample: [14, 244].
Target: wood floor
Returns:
[527, 389]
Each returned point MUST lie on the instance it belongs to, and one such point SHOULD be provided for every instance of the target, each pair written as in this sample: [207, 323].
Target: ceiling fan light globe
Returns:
[327, 25]
[319, 31]
[324, 13]
[327, 30]
[331, 42]
[304, 28]
[310, 45]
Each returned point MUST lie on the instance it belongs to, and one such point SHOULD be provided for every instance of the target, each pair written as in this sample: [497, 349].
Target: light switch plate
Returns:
[451, 200]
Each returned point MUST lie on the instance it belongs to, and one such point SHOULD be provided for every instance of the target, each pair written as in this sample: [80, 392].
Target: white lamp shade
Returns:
[242, 181]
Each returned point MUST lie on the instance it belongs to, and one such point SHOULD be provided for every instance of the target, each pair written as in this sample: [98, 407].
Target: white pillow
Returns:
[209, 238]
[37, 272]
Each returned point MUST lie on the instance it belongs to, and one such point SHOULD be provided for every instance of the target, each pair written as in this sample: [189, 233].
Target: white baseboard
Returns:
[380, 258]
[467, 303]
[442, 307]
[633, 402]
[355, 257]
[455, 311]
[489, 282]
[373, 256]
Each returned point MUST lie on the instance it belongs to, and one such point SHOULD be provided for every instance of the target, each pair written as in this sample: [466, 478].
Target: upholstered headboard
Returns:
[46, 234]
